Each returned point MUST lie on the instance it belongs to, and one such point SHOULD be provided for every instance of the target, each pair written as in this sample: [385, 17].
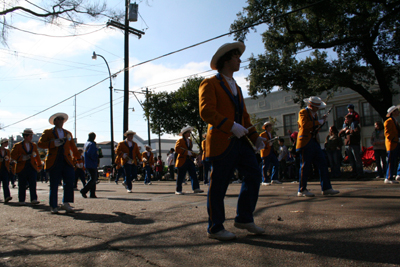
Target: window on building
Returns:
[341, 111]
[369, 115]
[289, 123]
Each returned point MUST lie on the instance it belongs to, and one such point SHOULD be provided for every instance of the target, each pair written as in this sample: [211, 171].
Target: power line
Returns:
[165, 55]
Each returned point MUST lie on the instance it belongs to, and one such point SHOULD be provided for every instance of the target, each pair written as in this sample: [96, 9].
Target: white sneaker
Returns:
[129, 191]
[222, 235]
[251, 227]
[397, 177]
[305, 193]
[178, 193]
[266, 184]
[68, 209]
[330, 192]
[276, 182]
[387, 181]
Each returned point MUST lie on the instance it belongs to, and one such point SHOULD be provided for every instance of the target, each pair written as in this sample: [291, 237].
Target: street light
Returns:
[94, 57]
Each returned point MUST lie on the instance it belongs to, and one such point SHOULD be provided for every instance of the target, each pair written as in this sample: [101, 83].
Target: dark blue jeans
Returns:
[79, 174]
[27, 176]
[130, 174]
[4, 174]
[242, 158]
[334, 161]
[380, 160]
[266, 162]
[147, 176]
[65, 172]
[91, 183]
[312, 154]
[188, 166]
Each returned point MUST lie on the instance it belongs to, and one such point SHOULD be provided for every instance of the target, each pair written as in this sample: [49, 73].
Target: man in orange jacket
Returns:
[309, 148]
[5, 159]
[59, 161]
[184, 161]
[222, 106]
[392, 135]
[128, 152]
[268, 156]
[26, 154]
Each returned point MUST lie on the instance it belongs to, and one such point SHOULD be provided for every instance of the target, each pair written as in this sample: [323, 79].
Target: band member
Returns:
[392, 133]
[222, 107]
[26, 154]
[59, 161]
[128, 151]
[5, 159]
[206, 164]
[148, 164]
[309, 148]
[184, 161]
[91, 164]
[268, 156]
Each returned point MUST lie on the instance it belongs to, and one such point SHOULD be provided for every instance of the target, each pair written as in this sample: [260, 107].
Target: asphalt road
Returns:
[154, 227]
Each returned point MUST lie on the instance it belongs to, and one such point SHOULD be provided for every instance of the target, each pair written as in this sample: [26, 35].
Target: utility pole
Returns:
[148, 118]
[126, 69]
[75, 119]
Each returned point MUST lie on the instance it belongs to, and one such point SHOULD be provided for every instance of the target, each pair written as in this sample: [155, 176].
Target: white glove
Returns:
[260, 143]
[189, 153]
[80, 165]
[58, 142]
[26, 157]
[125, 155]
[238, 130]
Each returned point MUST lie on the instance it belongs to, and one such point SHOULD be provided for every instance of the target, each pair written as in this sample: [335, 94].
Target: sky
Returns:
[37, 72]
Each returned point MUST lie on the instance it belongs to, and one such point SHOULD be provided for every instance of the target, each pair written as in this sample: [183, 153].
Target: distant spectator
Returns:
[356, 116]
[171, 163]
[333, 147]
[378, 143]
[283, 154]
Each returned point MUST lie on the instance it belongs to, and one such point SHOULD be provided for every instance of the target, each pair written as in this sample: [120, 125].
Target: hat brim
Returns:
[226, 48]
[321, 105]
[184, 130]
[396, 107]
[128, 133]
[60, 114]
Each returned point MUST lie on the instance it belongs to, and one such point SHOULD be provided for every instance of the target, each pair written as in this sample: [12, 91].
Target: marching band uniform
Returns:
[184, 161]
[26, 154]
[392, 134]
[128, 151]
[148, 164]
[268, 157]
[310, 150]
[59, 161]
[5, 158]
[222, 106]
[206, 164]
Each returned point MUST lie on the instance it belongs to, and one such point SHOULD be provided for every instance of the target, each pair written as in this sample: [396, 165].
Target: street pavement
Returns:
[154, 227]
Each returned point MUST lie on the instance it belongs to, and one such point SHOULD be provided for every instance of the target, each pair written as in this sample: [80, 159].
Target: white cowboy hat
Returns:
[266, 124]
[391, 109]
[129, 132]
[185, 129]
[27, 131]
[226, 48]
[3, 140]
[60, 114]
[315, 101]
[146, 146]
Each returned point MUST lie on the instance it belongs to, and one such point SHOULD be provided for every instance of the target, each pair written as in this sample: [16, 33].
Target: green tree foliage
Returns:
[170, 112]
[355, 43]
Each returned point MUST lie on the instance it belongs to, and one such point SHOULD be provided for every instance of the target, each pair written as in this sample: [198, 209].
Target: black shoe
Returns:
[116, 182]
[83, 194]
[93, 196]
